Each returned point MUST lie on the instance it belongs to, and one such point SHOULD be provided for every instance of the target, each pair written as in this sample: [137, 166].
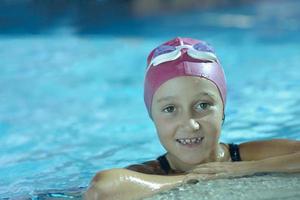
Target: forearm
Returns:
[284, 163]
[127, 184]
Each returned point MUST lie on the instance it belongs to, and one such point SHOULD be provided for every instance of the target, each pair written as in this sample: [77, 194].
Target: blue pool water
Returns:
[71, 105]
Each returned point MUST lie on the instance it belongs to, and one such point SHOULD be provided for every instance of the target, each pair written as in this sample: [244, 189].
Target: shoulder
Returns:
[257, 150]
[101, 184]
[149, 167]
[109, 184]
[103, 178]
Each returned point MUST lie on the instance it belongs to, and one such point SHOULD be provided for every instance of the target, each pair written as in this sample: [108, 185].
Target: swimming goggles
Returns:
[167, 53]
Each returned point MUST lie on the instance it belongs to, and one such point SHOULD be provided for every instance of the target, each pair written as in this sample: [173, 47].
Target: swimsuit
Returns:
[233, 150]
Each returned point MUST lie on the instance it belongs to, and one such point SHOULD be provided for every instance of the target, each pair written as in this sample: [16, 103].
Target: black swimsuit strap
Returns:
[164, 164]
[234, 152]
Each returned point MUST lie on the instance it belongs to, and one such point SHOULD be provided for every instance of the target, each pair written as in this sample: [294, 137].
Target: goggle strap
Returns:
[203, 55]
[164, 58]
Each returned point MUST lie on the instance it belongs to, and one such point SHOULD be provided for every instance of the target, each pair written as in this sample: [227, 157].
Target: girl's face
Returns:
[187, 112]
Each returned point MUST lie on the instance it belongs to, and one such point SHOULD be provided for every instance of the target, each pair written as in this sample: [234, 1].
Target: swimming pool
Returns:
[71, 105]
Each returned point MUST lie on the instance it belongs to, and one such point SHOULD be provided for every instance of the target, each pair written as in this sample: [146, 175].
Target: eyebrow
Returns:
[167, 98]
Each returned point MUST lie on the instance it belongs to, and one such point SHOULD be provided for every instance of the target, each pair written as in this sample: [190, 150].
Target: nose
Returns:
[191, 125]
[194, 124]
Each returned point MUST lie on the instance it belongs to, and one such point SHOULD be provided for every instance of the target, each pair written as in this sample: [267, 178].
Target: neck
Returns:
[217, 155]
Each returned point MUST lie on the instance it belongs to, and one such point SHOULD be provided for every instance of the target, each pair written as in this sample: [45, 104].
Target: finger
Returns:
[195, 178]
[212, 164]
[202, 171]
[207, 170]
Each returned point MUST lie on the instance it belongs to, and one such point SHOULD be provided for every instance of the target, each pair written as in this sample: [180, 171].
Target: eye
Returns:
[202, 106]
[169, 109]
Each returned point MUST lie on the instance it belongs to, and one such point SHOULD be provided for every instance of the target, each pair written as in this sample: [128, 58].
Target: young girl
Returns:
[185, 95]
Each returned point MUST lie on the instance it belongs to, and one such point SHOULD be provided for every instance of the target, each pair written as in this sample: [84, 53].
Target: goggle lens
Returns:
[163, 50]
[203, 47]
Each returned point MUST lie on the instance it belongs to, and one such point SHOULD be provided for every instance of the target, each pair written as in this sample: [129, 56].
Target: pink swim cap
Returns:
[184, 65]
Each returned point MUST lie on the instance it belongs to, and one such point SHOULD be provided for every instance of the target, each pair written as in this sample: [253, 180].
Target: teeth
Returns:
[190, 140]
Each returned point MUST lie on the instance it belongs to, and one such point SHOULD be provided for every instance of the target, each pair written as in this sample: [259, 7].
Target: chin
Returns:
[191, 160]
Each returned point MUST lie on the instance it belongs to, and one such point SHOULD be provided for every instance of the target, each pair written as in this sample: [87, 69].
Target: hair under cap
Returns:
[182, 66]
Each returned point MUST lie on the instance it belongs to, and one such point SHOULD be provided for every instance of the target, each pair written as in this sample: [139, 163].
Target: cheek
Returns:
[163, 128]
[212, 125]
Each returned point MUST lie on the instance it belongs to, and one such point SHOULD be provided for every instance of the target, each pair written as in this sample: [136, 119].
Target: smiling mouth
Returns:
[189, 141]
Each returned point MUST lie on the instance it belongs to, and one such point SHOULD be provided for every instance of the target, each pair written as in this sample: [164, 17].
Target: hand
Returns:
[216, 170]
